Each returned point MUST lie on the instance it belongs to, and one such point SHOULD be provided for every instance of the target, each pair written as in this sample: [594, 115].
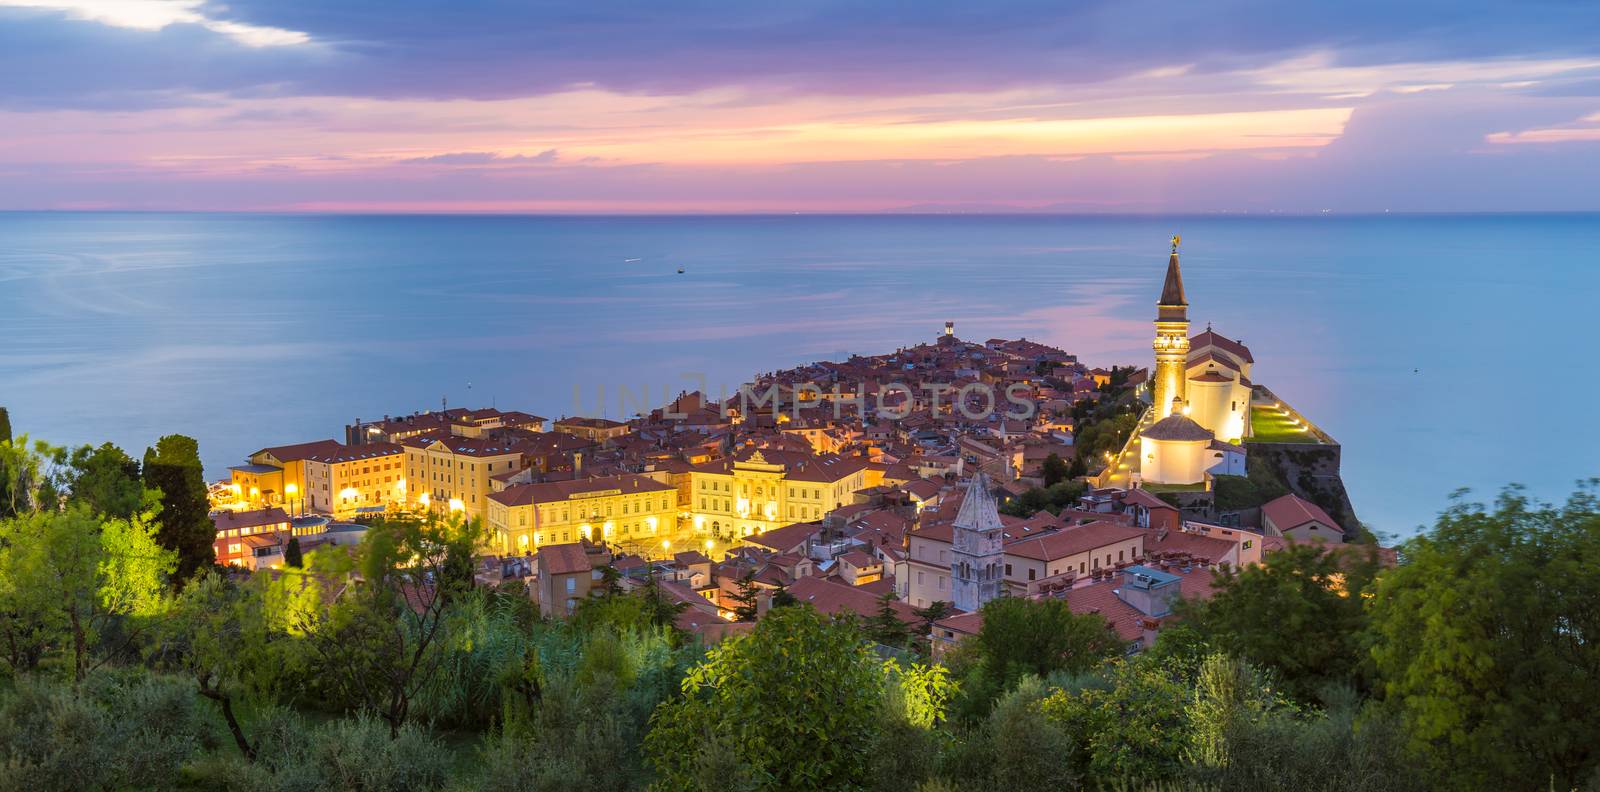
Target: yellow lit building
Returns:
[1172, 340]
[276, 476]
[367, 477]
[447, 473]
[619, 510]
[768, 489]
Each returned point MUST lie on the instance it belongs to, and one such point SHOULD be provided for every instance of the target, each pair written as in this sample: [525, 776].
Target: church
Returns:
[1201, 389]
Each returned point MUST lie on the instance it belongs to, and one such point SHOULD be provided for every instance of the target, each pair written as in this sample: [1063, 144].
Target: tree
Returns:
[172, 468]
[106, 480]
[1054, 469]
[66, 575]
[936, 610]
[885, 626]
[221, 636]
[381, 641]
[781, 598]
[1293, 615]
[794, 700]
[291, 554]
[29, 475]
[744, 598]
[1485, 641]
[1039, 637]
[660, 607]
[1134, 728]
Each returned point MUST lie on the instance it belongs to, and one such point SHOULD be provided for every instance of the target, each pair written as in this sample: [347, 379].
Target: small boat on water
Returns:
[630, 261]
[680, 270]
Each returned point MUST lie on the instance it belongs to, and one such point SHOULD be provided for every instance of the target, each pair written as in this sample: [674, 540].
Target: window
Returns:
[1008, 569]
[941, 582]
[572, 585]
[1031, 573]
[1119, 555]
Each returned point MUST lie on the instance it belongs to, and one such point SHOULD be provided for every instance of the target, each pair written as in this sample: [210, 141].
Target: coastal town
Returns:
[922, 483]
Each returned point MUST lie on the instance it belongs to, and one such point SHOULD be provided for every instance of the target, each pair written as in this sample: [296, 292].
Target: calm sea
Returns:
[1442, 351]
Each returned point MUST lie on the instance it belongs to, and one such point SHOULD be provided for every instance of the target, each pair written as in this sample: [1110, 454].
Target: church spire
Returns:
[1172, 339]
[1172, 290]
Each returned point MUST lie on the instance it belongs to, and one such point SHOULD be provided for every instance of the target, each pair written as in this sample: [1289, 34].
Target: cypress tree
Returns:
[172, 468]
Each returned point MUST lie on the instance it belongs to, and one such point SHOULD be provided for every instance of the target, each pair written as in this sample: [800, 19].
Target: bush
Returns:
[113, 732]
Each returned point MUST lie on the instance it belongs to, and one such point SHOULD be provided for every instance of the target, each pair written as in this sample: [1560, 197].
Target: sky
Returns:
[800, 105]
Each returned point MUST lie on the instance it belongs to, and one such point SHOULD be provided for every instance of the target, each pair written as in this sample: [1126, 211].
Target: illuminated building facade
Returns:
[767, 489]
[449, 473]
[1172, 339]
[351, 480]
[619, 510]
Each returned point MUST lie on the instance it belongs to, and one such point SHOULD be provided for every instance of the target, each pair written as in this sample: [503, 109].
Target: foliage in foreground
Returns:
[1472, 665]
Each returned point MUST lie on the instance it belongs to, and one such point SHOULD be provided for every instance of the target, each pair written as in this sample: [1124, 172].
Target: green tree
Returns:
[220, 636]
[292, 556]
[661, 608]
[68, 575]
[794, 700]
[106, 480]
[382, 641]
[1039, 637]
[1485, 641]
[781, 598]
[885, 626]
[1134, 728]
[172, 468]
[1054, 469]
[744, 597]
[936, 610]
[1293, 615]
[6, 477]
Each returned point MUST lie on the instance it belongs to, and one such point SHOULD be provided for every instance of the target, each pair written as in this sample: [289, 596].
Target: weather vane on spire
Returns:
[1175, 240]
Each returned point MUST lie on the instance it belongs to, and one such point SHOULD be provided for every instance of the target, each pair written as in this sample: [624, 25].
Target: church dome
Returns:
[1179, 427]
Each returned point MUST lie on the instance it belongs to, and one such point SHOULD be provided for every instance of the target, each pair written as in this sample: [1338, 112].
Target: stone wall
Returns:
[1312, 472]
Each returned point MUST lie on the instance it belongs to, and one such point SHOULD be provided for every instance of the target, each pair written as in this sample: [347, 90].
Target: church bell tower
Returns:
[1172, 339]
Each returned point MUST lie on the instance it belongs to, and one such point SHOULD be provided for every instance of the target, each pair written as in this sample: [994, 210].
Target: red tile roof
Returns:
[832, 598]
[555, 491]
[1072, 541]
[786, 538]
[563, 559]
[298, 451]
[229, 520]
[1292, 511]
[1232, 347]
[1141, 497]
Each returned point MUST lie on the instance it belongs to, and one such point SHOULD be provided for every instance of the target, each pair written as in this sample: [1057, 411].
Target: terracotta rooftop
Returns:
[1177, 427]
[563, 559]
[832, 598]
[1292, 511]
[298, 451]
[786, 538]
[1072, 541]
[229, 520]
[1232, 347]
[557, 491]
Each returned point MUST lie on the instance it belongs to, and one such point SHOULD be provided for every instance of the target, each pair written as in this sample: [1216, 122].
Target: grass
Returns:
[1268, 425]
[1196, 487]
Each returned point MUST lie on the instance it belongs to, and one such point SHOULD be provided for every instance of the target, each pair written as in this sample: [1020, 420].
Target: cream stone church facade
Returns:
[1201, 396]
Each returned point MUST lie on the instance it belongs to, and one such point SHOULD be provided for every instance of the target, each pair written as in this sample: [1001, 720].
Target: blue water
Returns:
[1441, 351]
